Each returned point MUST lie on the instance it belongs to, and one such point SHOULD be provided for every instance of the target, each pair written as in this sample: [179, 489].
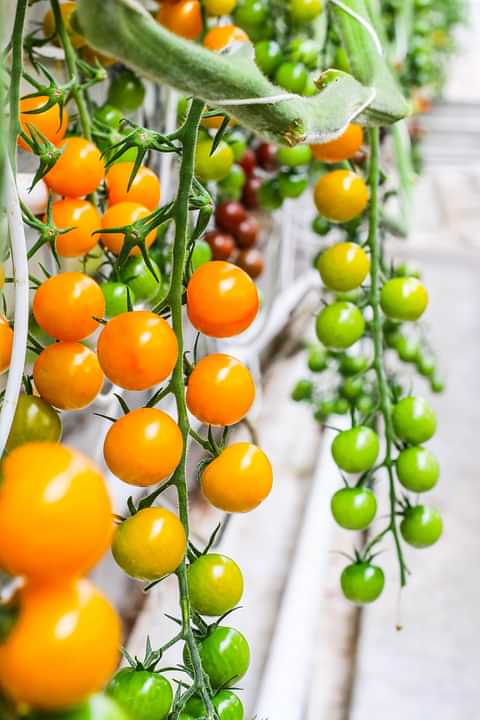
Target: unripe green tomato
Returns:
[269, 197]
[437, 384]
[404, 298]
[294, 156]
[98, 707]
[320, 225]
[226, 703]
[364, 404]
[225, 656]
[250, 13]
[126, 91]
[339, 325]
[139, 278]
[304, 50]
[407, 348]
[304, 11]
[268, 56]
[34, 421]
[215, 583]
[356, 450]
[353, 364]
[317, 359]
[311, 87]
[326, 407]
[232, 184]
[405, 270]
[237, 142]
[202, 253]
[341, 406]
[354, 508]
[291, 76]
[292, 185]
[144, 695]
[343, 266]
[352, 388]
[362, 582]
[216, 166]
[109, 115]
[421, 526]
[117, 296]
[417, 469]
[425, 364]
[414, 421]
[303, 390]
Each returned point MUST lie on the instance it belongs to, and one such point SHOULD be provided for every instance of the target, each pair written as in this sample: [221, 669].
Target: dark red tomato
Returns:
[221, 244]
[250, 192]
[267, 156]
[251, 261]
[248, 161]
[246, 234]
[229, 215]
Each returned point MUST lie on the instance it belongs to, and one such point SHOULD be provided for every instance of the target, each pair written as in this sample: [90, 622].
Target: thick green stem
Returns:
[16, 78]
[377, 331]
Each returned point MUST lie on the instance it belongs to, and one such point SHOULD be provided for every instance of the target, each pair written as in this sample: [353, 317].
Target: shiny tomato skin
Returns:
[354, 508]
[202, 253]
[139, 278]
[43, 514]
[421, 526]
[362, 582]
[215, 584]
[145, 188]
[342, 148]
[183, 18]
[222, 300]
[117, 297]
[341, 195]
[58, 626]
[339, 325]
[83, 218]
[137, 350]
[126, 91]
[251, 261]
[47, 122]
[144, 695]
[149, 544]
[34, 421]
[221, 36]
[414, 421]
[97, 707]
[225, 656]
[343, 266]
[417, 469]
[221, 244]
[220, 390]
[246, 234]
[356, 450]
[239, 479]
[229, 215]
[226, 703]
[304, 11]
[6, 343]
[216, 8]
[404, 298]
[79, 170]
[121, 215]
[213, 166]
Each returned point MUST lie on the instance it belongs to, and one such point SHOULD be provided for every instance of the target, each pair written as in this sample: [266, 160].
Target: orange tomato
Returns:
[6, 342]
[137, 350]
[83, 218]
[79, 170]
[341, 195]
[143, 447]
[238, 479]
[183, 18]
[145, 188]
[120, 215]
[221, 36]
[150, 544]
[66, 304]
[64, 646]
[342, 148]
[220, 390]
[47, 122]
[67, 375]
[66, 9]
[222, 300]
[55, 512]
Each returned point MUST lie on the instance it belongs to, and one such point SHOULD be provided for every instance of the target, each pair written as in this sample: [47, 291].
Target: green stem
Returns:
[15, 81]
[377, 332]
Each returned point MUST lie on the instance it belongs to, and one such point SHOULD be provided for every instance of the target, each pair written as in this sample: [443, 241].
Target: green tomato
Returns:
[269, 197]
[425, 364]
[341, 406]
[251, 13]
[317, 358]
[356, 450]
[237, 142]
[202, 253]
[109, 115]
[353, 365]
[139, 278]
[404, 298]
[417, 469]
[292, 185]
[362, 582]
[325, 408]
[303, 390]
[364, 404]
[118, 297]
[352, 388]
[227, 704]
[304, 11]
[98, 707]
[437, 383]
[268, 56]
[232, 184]
[304, 50]
[406, 347]
[216, 166]
[341, 61]
[320, 226]
[126, 92]
[144, 695]
[311, 87]
[34, 421]
[294, 156]
[421, 526]
[291, 76]
[225, 656]
[215, 583]
[340, 325]
[354, 508]
[414, 421]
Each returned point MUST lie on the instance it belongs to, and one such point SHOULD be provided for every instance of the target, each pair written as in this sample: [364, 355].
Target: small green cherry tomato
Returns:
[126, 92]
[268, 56]
[414, 420]
[215, 583]
[225, 656]
[202, 253]
[291, 76]
[404, 298]
[117, 297]
[227, 704]
[421, 526]
[364, 404]
[232, 184]
[353, 365]
[303, 390]
[140, 279]
[269, 197]
[292, 185]
[407, 348]
[304, 50]
[341, 406]
[317, 358]
[417, 469]
[343, 266]
[216, 166]
[320, 226]
[352, 388]
[237, 142]
[142, 694]
[250, 13]
[437, 383]
[98, 707]
[362, 582]
[109, 115]
[325, 408]
[34, 421]
[304, 11]
[294, 156]
[354, 508]
[340, 325]
[356, 450]
[425, 363]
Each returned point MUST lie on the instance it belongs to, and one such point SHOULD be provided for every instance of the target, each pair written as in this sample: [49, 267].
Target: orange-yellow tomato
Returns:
[221, 36]
[49, 122]
[137, 350]
[83, 218]
[150, 544]
[342, 148]
[343, 266]
[66, 306]
[68, 375]
[66, 10]
[238, 479]
[143, 447]
[220, 390]
[64, 646]
[341, 195]
[120, 215]
[145, 188]
[222, 300]
[182, 18]
[55, 512]
[79, 170]
[6, 342]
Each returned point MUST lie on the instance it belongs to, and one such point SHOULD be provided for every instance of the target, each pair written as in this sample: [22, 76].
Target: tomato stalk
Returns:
[15, 79]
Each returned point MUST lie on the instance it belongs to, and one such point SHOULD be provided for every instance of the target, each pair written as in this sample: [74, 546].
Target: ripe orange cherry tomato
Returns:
[137, 350]
[55, 512]
[238, 479]
[64, 646]
[6, 342]
[67, 375]
[83, 218]
[150, 544]
[220, 390]
[79, 170]
[342, 148]
[341, 195]
[157, 443]
[145, 188]
[48, 121]
[222, 300]
[182, 18]
[221, 36]
[120, 215]
[66, 304]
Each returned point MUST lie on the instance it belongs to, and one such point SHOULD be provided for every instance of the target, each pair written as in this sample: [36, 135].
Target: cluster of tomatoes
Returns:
[235, 237]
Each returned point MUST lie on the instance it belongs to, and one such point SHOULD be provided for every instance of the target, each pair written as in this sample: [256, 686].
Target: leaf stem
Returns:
[15, 81]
